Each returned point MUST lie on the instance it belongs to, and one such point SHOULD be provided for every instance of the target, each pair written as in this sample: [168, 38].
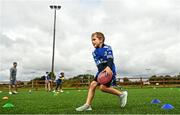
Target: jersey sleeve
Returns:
[109, 52]
[110, 57]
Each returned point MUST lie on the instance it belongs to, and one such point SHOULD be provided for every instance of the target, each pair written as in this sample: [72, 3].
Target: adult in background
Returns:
[13, 82]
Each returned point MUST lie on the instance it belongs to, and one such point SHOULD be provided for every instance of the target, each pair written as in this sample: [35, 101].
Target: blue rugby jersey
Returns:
[103, 57]
[47, 77]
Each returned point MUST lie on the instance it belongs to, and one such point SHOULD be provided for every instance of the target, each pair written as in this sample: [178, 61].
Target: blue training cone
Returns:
[155, 101]
[167, 106]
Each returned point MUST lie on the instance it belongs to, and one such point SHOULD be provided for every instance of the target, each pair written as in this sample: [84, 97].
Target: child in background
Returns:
[59, 81]
[47, 82]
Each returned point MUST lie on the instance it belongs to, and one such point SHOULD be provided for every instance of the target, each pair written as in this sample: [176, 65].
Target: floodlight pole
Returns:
[54, 7]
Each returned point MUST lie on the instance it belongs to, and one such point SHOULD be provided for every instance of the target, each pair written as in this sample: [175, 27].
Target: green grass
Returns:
[66, 102]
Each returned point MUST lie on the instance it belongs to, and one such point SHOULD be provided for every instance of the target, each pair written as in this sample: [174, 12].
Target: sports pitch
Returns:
[139, 102]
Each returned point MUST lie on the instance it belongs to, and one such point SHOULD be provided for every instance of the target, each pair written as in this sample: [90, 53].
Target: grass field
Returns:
[139, 102]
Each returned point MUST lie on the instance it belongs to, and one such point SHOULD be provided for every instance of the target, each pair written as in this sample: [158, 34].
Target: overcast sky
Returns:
[144, 34]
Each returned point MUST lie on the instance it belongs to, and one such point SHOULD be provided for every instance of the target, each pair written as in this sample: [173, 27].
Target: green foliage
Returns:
[83, 78]
[125, 79]
[164, 78]
[52, 75]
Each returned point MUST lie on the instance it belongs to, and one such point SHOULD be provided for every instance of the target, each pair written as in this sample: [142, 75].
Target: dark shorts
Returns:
[13, 82]
[58, 82]
[107, 84]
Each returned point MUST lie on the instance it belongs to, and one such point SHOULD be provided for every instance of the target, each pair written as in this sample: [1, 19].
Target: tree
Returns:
[125, 79]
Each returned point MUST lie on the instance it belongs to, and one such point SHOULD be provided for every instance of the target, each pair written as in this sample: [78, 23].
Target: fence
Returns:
[146, 82]
[140, 82]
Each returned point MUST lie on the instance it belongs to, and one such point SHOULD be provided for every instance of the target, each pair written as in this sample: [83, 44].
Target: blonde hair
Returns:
[99, 35]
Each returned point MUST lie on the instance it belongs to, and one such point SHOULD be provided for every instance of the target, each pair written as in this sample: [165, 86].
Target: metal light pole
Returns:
[54, 7]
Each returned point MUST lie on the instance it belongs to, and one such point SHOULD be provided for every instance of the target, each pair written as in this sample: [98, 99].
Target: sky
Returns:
[144, 36]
